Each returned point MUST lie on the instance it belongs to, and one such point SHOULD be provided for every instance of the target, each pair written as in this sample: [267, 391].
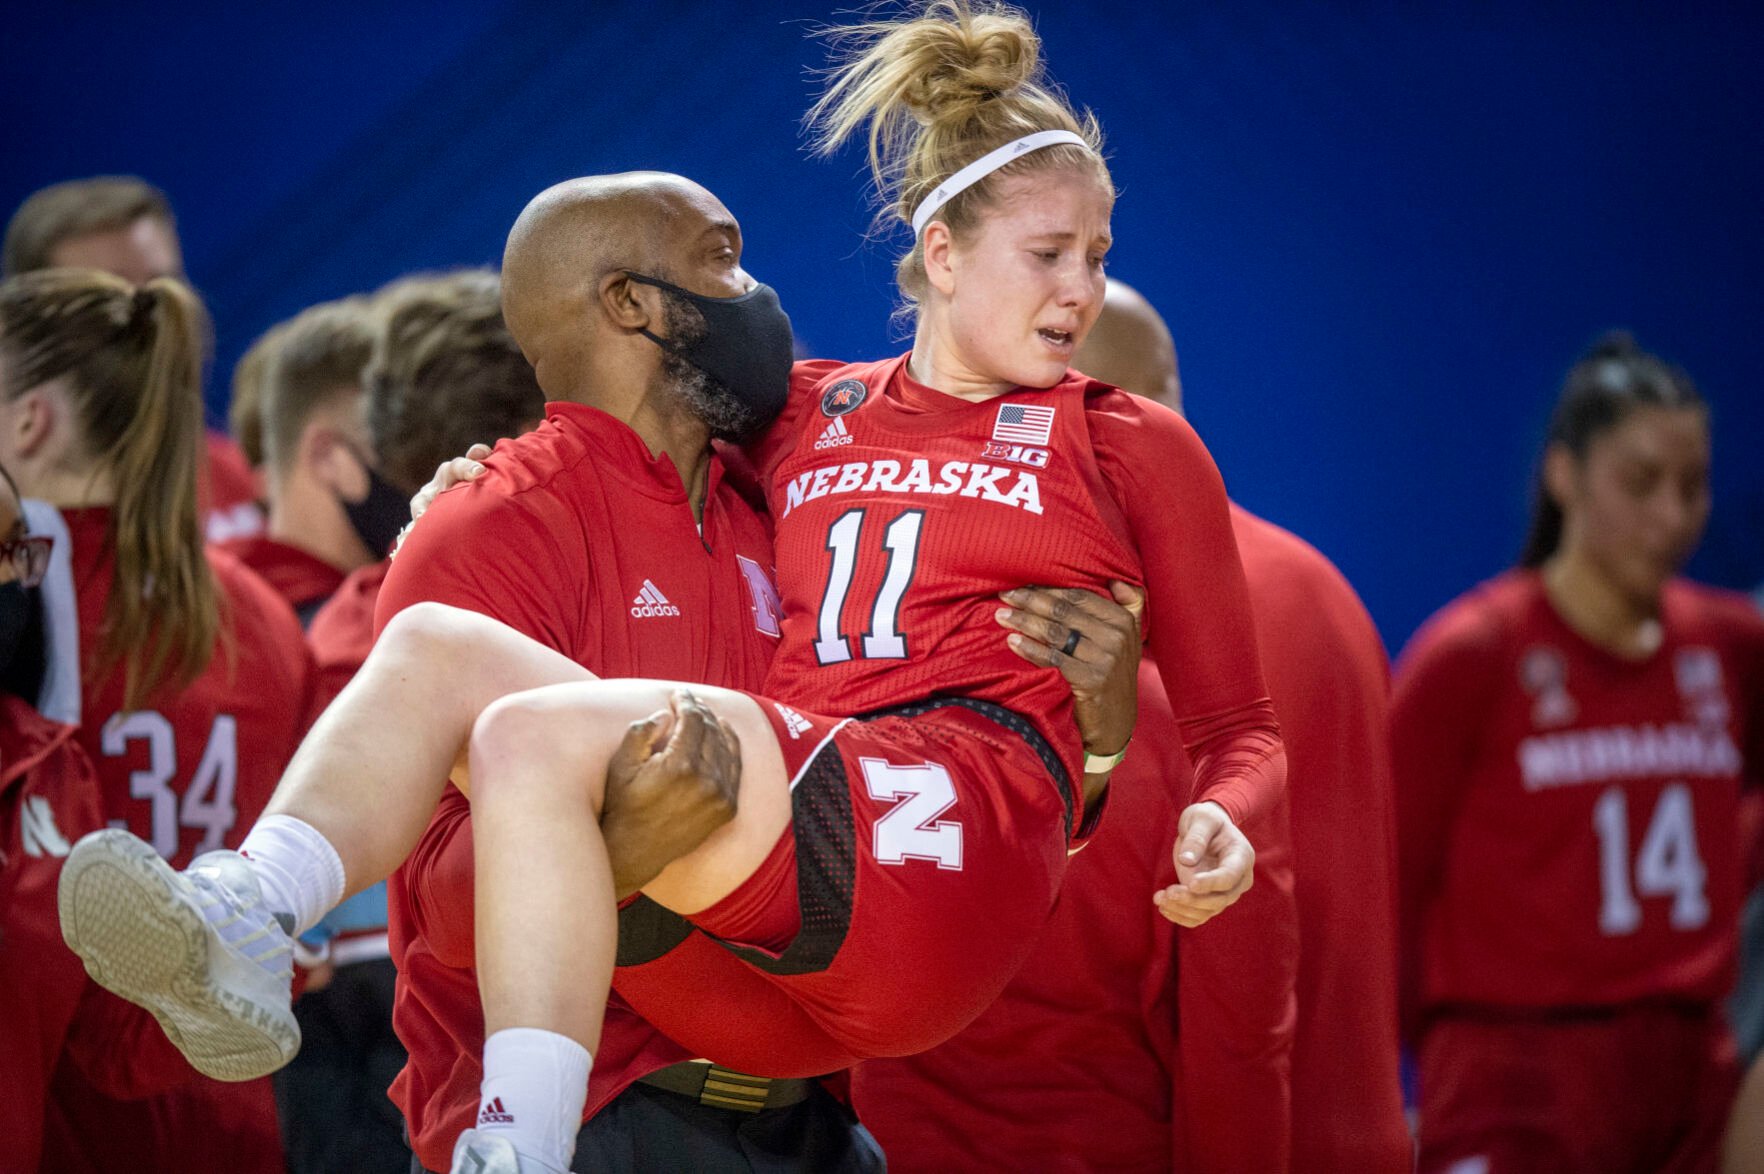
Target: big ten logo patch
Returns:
[1698, 673]
[1544, 675]
[1022, 454]
[762, 592]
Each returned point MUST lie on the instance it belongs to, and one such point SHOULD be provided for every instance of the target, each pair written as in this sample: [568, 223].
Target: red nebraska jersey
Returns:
[189, 771]
[1567, 817]
[48, 800]
[298, 576]
[192, 768]
[581, 539]
[902, 512]
[342, 631]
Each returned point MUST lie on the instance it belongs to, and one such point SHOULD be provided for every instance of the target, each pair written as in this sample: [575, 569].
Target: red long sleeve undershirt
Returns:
[1199, 625]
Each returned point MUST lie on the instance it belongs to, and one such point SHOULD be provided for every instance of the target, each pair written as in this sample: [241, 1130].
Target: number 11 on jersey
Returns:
[883, 639]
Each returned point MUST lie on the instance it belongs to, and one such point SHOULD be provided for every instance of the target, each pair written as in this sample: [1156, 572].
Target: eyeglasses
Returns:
[28, 557]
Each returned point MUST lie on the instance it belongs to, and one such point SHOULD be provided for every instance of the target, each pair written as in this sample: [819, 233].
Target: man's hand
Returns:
[671, 783]
[1215, 865]
[1102, 669]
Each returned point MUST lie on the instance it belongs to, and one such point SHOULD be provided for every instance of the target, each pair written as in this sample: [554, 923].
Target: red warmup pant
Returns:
[1643, 1089]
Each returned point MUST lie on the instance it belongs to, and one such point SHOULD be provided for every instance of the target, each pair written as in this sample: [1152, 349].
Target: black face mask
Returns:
[745, 347]
[23, 651]
[378, 517]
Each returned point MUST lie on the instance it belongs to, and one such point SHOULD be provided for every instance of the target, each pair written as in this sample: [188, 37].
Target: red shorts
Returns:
[1640, 1089]
[930, 843]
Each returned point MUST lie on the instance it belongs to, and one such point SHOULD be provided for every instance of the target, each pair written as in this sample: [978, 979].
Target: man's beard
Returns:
[695, 391]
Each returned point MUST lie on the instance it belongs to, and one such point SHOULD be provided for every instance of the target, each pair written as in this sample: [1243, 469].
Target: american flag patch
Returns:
[1023, 424]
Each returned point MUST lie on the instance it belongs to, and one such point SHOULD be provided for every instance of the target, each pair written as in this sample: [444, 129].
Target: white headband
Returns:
[984, 166]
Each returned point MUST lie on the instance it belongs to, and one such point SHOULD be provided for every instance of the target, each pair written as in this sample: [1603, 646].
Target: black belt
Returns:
[720, 1088]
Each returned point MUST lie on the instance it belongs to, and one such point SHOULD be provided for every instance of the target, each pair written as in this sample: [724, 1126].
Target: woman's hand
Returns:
[447, 475]
[1215, 865]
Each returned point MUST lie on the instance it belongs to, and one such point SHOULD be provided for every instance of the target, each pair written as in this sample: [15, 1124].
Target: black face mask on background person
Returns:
[378, 517]
[24, 657]
[745, 347]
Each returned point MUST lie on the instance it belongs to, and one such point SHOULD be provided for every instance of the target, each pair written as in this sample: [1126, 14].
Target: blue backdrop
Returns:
[1380, 234]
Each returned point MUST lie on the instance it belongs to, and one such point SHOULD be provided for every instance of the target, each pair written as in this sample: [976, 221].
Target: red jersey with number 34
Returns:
[1567, 818]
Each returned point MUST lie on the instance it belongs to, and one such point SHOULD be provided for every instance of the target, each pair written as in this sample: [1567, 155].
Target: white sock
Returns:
[299, 871]
[535, 1086]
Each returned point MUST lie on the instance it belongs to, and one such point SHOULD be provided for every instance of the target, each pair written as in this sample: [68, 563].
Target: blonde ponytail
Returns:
[131, 361]
[937, 91]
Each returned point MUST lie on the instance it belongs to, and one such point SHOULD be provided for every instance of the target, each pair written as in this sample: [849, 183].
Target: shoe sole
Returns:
[141, 937]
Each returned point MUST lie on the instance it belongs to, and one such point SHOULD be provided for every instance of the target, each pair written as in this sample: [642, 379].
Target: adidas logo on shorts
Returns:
[793, 721]
[651, 602]
[834, 435]
[494, 1114]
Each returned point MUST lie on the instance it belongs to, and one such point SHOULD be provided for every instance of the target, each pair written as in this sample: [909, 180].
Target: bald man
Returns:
[613, 535]
[1178, 1049]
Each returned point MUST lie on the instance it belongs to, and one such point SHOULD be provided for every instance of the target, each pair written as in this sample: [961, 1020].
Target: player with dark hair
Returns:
[1570, 739]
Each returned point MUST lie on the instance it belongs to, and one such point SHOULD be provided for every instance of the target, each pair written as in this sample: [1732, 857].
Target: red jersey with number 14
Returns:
[902, 512]
[1567, 818]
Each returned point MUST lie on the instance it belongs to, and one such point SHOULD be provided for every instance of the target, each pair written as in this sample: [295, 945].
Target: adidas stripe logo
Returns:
[651, 602]
[793, 721]
[835, 434]
[494, 1114]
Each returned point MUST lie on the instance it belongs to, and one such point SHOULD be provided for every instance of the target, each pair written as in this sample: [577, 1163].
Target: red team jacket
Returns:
[581, 539]
[1568, 817]
[1329, 679]
[1090, 1062]
[48, 800]
[301, 578]
[188, 773]
[227, 495]
[342, 631]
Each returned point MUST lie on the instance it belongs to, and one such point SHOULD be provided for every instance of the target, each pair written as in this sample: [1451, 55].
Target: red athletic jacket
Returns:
[48, 800]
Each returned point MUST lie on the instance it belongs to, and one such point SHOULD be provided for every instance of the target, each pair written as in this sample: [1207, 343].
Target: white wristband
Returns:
[1102, 764]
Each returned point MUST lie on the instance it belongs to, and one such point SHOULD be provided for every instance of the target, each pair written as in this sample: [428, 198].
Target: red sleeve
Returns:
[446, 559]
[772, 445]
[1237, 1014]
[1441, 689]
[1198, 618]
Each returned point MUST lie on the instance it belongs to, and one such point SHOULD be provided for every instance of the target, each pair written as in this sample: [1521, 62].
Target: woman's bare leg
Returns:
[546, 917]
[371, 770]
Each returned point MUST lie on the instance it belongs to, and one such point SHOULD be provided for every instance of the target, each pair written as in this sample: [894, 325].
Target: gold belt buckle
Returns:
[724, 1089]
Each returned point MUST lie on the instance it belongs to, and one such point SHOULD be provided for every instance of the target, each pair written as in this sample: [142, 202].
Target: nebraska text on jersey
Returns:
[1006, 486]
[1617, 752]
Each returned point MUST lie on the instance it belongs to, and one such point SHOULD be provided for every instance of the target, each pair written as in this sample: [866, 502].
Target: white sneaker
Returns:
[199, 949]
[489, 1153]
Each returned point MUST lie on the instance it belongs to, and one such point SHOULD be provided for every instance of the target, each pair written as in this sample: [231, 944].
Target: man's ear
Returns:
[630, 305]
[329, 459]
[937, 247]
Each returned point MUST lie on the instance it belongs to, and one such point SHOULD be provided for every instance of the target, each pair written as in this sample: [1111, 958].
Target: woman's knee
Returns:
[524, 747]
[438, 634]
